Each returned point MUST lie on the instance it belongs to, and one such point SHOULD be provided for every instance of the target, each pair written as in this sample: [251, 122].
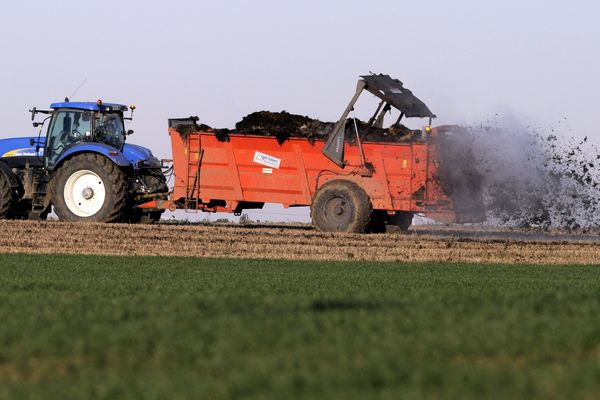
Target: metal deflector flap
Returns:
[392, 92]
[334, 146]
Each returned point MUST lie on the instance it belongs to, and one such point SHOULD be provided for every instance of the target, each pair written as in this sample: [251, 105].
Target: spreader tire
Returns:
[89, 187]
[341, 206]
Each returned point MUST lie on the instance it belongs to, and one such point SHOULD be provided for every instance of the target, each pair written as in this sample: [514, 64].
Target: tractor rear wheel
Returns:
[89, 187]
[6, 197]
[341, 206]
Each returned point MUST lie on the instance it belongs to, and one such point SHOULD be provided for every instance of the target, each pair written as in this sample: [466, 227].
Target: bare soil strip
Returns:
[278, 243]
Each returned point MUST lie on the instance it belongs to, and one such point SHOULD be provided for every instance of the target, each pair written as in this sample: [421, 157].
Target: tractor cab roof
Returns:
[90, 106]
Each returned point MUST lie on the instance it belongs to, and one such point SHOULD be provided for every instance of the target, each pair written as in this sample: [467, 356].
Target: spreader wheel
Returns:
[89, 187]
[341, 206]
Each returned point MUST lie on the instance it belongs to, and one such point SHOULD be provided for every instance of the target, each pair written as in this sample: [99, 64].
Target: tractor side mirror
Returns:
[33, 112]
[129, 132]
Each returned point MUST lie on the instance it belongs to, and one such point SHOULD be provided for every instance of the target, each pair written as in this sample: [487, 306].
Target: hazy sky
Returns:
[223, 60]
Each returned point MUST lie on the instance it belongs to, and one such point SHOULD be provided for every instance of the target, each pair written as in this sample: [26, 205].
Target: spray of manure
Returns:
[529, 178]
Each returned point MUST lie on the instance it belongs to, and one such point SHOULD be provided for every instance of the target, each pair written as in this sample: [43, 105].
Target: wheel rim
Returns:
[84, 193]
[337, 212]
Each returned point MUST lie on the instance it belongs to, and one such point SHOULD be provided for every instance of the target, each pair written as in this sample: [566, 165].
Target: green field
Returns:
[115, 327]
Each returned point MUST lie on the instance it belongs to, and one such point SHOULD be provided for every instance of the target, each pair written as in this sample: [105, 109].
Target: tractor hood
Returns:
[136, 154]
[20, 147]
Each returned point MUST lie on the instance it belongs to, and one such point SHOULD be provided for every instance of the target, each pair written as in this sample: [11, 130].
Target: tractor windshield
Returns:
[68, 127]
[109, 129]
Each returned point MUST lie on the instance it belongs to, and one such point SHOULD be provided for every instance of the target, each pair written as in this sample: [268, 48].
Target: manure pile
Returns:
[284, 125]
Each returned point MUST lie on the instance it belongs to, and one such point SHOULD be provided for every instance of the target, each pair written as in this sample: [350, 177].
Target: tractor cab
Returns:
[74, 123]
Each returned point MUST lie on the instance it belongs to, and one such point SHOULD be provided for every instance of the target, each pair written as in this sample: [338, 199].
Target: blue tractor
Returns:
[82, 168]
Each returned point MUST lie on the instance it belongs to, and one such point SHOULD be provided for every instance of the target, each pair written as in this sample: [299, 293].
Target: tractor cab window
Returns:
[110, 129]
[68, 127]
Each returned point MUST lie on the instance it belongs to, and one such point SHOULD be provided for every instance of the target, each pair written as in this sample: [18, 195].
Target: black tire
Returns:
[151, 217]
[112, 180]
[402, 219]
[6, 197]
[136, 216]
[378, 222]
[341, 206]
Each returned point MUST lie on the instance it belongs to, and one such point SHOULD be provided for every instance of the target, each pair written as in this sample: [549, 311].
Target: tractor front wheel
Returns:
[89, 187]
[341, 206]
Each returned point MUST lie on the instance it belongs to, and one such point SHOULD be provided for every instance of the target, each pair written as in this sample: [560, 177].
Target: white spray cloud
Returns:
[530, 177]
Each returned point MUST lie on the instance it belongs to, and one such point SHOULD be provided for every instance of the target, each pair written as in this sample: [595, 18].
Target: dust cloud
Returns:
[530, 177]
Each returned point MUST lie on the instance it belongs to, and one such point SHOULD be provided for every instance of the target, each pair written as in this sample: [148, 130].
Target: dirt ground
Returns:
[425, 243]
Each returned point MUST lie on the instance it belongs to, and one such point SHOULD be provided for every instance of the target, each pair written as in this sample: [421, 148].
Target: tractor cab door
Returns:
[67, 128]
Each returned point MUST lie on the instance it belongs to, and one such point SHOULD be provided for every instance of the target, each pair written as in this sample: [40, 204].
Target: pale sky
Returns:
[466, 59]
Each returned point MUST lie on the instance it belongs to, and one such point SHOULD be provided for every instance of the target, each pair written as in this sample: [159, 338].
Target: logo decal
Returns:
[21, 153]
[265, 159]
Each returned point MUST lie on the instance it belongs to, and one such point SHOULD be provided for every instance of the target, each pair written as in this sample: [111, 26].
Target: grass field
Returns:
[118, 327]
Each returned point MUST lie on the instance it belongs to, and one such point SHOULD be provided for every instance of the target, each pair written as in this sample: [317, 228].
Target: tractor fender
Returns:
[11, 177]
[100, 148]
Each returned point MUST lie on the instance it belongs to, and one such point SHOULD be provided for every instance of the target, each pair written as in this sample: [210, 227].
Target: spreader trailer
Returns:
[352, 184]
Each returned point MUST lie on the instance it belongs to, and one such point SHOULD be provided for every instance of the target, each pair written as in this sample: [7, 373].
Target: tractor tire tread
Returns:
[6, 197]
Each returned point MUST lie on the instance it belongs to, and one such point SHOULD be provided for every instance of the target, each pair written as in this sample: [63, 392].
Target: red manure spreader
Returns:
[355, 176]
